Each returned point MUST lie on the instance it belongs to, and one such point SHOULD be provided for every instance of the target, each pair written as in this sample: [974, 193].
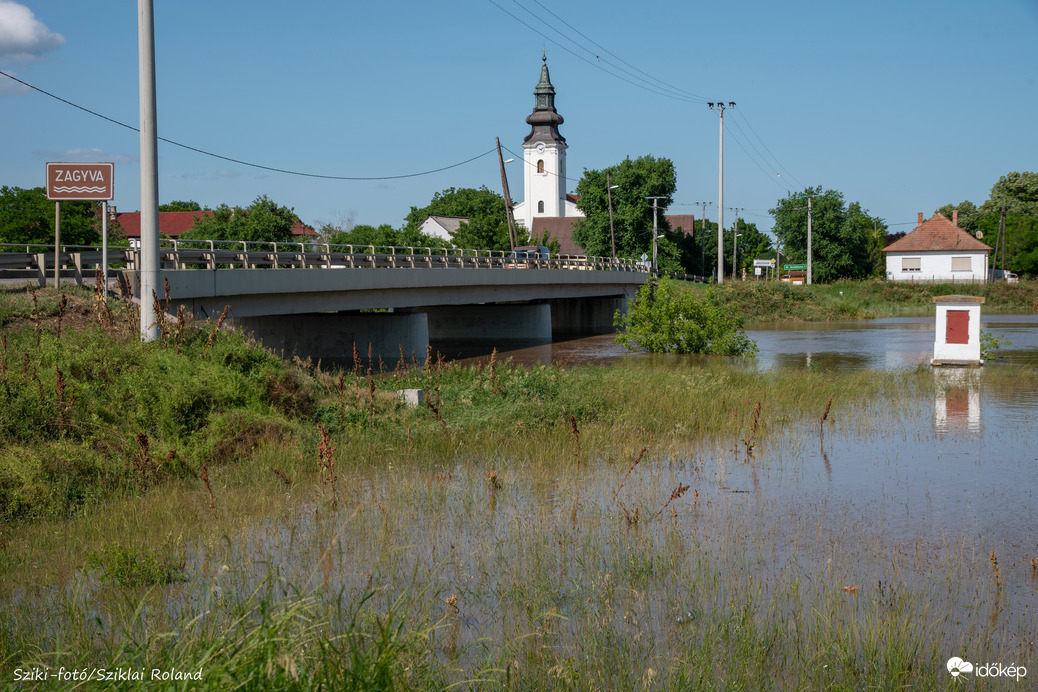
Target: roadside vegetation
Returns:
[771, 301]
[198, 504]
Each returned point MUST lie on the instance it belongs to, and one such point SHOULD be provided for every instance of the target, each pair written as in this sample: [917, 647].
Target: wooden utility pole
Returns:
[512, 234]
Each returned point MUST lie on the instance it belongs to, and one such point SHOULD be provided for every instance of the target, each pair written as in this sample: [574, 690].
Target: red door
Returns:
[958, 327]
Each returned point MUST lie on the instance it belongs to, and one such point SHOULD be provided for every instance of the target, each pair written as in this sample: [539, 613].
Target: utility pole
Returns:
[735, 241]
[809, 272]
[148, 267]
[609, 194]
[720, 106]
[702, 241]
[655, 265]
[509, 217]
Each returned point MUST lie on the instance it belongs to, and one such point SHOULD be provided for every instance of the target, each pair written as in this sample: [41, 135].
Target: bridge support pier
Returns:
[576, 317]
[492, 325]
[330, 337]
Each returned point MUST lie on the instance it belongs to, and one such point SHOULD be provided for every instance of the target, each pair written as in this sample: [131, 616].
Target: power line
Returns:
[742, 116]
[595, 64]
[239, 161]
[677, 90]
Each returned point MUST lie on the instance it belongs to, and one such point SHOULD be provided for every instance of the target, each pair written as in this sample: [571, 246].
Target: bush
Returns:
[666, 318]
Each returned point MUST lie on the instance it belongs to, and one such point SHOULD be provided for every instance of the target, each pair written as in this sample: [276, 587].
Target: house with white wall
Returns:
[937, 250]
[442, 226]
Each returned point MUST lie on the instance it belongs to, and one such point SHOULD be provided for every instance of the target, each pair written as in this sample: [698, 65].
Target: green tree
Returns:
[263, 220]
[968, 215]
[27, 216]
[635, 181]
[667, 318]
[841, 235]
[1019, 191]
[487, 227]
[383, 235]
[180, 205]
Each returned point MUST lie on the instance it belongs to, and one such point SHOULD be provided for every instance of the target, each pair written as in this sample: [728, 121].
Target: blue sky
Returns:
[903, 106]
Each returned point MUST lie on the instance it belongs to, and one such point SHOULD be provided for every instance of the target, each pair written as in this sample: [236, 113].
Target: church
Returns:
[546, 205]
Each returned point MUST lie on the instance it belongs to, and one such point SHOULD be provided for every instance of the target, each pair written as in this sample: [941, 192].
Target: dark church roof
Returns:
[544, 120]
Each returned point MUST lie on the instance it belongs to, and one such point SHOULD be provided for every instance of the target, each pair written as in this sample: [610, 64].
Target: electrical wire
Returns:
[247, 163]
[596, 64]
[742, 116]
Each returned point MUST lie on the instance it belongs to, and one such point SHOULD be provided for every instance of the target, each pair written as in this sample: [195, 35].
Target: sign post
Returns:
[80, 181]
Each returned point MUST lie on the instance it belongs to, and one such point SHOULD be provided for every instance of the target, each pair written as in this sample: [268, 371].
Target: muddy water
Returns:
[888, 343]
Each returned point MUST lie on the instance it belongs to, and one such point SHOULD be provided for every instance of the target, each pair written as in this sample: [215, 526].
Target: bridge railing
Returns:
[225, 254]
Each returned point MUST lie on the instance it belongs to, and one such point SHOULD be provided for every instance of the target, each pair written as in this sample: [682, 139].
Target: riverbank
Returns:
[770, 301]
[526, 527]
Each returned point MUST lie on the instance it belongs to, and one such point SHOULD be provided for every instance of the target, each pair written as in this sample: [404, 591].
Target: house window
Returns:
[961, 264]
[911, 264]
[540, 166]
[540, 207]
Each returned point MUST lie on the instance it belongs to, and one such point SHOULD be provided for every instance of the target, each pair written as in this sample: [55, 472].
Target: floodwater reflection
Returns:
[956, 400]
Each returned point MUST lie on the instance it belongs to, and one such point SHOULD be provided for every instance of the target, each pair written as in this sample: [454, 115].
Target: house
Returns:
[937, 250]
[173, 223]
[442, 226]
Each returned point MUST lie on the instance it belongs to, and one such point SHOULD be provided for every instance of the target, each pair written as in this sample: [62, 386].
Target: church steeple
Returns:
[544, 120]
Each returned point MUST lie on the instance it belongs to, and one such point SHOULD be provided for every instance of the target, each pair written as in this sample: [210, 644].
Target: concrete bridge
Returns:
[320, 300]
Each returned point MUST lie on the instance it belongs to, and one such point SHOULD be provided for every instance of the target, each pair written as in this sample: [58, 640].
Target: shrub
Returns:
[666, 318]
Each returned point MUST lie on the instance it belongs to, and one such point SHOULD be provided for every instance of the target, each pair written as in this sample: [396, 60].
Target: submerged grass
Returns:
[528, 528]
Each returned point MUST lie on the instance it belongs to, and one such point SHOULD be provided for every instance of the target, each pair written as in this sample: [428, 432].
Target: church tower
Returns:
[544, 153]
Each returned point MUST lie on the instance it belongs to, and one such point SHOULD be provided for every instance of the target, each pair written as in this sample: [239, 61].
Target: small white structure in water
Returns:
[957, 337]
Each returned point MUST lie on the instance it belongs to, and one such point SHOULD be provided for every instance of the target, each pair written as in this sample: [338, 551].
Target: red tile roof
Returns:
[561, 227]
[173, 223]
[937, 234]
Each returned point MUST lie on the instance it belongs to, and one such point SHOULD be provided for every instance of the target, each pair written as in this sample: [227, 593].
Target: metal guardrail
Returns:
[223, 254]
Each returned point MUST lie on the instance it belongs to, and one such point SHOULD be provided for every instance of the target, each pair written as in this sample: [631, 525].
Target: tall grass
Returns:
[338, 539]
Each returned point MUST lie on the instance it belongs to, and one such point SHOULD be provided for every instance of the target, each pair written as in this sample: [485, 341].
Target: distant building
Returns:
[442, 226]
[937, 250]
[173, 223]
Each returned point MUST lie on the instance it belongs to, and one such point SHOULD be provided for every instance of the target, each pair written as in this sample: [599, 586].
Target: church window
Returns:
[540, 207]
[540, 166]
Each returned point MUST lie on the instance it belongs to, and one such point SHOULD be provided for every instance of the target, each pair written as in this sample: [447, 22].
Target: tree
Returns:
[667, 318]
[840, 234]
[635, 181]
[384, 235]
[180, 205]
[1019, 193]
[263, 220]
[487, 227]
[27, 216]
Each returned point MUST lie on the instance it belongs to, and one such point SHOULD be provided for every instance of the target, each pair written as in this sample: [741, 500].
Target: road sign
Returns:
[89, 181]
[763, 263]
[795, 267]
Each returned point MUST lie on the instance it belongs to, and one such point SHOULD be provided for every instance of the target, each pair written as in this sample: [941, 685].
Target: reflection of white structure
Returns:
[957, 336]
[957, 402]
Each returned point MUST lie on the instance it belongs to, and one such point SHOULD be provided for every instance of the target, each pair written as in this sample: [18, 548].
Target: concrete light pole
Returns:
[149, 250]
[655, 237]
[735, 242]
[702, 241]
[809, 273]
[609, 194]
[720, 106]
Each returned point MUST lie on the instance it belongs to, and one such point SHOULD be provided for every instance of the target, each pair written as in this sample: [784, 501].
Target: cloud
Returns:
[89, 154]
[9, 86]
[22, 36]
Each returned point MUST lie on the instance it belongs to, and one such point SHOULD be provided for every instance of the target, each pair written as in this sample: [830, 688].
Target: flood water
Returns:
[892, 343]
